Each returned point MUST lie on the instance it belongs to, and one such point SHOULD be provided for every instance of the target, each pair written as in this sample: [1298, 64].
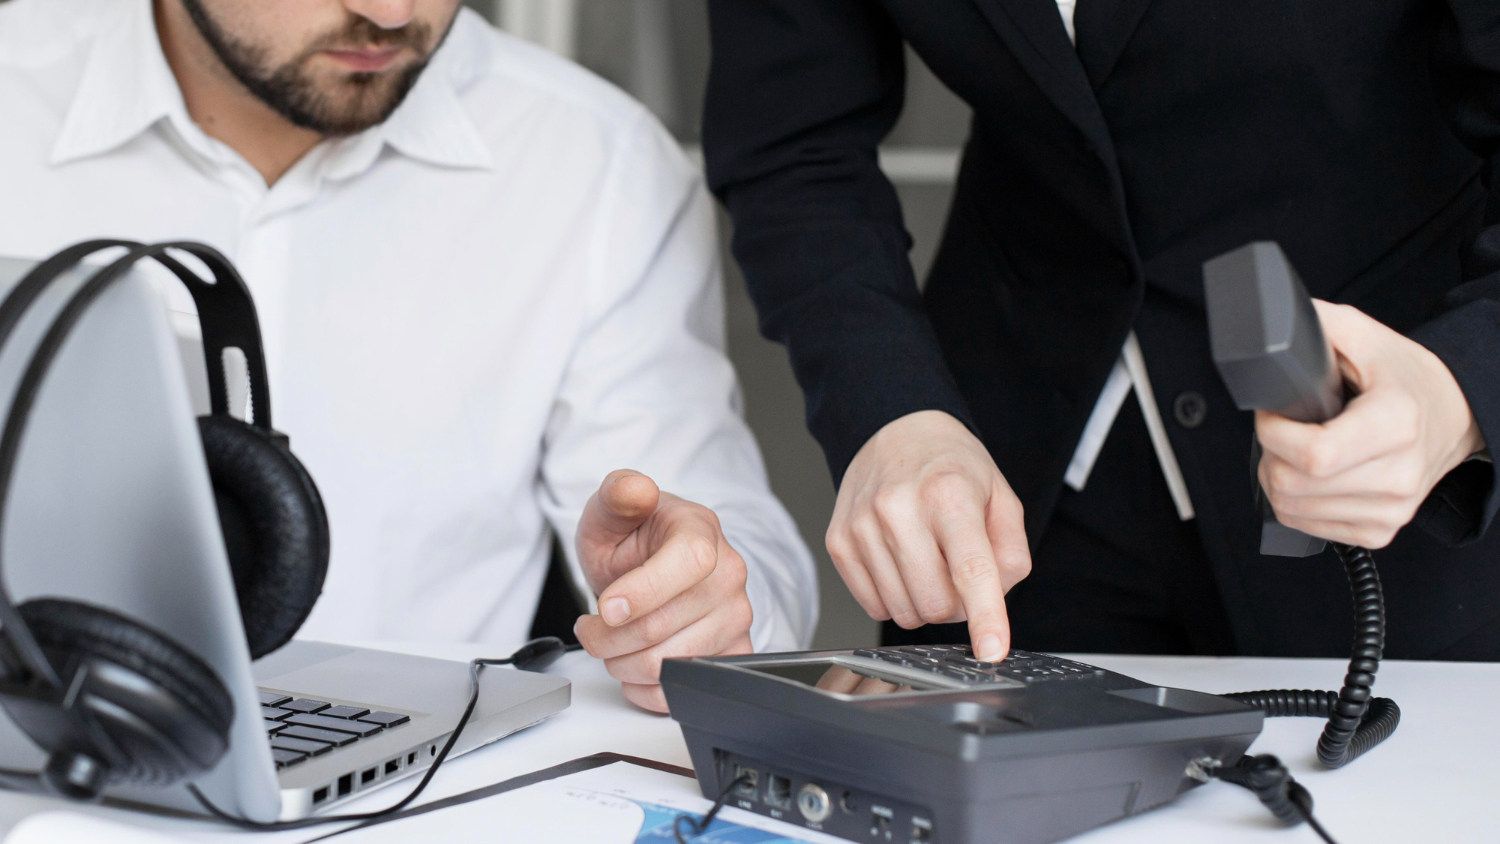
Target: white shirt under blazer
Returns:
[471, 312]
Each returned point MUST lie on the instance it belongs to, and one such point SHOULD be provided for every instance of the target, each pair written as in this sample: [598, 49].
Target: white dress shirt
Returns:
[471, 312]
[1128, 373]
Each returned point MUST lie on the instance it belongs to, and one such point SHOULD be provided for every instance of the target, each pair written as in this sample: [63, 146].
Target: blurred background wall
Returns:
[658, 51]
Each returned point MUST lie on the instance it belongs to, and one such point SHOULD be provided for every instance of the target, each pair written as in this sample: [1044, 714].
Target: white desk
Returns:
[1437, 779]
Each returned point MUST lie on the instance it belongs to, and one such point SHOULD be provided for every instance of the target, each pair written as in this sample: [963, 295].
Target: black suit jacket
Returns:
[1363, 135]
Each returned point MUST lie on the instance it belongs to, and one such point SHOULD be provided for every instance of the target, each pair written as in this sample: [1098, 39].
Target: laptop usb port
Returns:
[392, 766]
[346, 784]
[320, 795]
[368, 776]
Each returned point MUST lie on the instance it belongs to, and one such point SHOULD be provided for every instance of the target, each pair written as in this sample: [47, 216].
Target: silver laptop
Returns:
[113, 506]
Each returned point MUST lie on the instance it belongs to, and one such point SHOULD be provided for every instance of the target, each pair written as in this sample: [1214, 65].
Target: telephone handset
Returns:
[1270, 350]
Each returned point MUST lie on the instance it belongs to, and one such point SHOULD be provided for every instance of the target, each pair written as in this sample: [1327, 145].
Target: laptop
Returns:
[114, 507]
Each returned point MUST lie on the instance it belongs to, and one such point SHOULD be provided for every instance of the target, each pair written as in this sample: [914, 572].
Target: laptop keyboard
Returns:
[301, 728]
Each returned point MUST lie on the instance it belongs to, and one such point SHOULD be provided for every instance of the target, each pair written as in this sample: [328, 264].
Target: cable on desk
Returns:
[1272, 783]
[532, 656]
[27, 781]
[697, 827]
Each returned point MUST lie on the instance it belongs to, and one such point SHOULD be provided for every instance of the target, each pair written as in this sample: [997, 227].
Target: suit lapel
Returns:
[1033, 30]
[1104, 27]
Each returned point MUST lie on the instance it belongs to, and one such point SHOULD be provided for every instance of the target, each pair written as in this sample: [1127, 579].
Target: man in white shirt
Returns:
[485, 279]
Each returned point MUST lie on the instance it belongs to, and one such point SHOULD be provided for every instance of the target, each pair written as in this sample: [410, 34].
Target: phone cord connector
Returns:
[1272, 784]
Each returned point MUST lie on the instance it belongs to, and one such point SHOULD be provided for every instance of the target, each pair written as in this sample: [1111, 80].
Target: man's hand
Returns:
[926, 530]
[667, 580]
[1359, 478]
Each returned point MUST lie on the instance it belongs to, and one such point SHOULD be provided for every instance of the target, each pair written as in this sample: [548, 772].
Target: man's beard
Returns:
[358, 101]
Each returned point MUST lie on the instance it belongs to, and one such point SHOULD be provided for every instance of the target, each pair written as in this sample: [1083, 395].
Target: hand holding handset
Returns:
[1271, 352]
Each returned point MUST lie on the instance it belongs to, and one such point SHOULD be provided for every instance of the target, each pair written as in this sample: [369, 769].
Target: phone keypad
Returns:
[957, 662]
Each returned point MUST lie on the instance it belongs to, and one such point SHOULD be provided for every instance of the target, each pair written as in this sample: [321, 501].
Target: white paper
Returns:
[616, 804]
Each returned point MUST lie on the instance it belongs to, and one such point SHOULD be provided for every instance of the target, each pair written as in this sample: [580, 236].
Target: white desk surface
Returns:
[1437, 779]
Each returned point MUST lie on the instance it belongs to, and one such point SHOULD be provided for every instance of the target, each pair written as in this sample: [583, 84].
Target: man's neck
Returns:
[223, 107]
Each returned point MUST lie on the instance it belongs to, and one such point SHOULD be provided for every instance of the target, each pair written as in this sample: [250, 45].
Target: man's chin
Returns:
[353, 103]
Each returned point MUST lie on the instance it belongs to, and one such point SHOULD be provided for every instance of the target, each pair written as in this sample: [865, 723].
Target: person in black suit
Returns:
[1045, 411]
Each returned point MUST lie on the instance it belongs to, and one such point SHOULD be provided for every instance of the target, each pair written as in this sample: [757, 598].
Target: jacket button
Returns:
[1190, 408]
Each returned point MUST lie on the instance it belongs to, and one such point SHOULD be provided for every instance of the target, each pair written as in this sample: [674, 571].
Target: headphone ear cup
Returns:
[156, 713]
[275, 529]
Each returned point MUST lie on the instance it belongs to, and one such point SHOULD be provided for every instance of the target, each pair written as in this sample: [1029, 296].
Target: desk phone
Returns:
[927, 744]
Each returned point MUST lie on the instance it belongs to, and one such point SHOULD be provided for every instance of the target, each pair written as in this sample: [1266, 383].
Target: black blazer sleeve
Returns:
[1466, 335]
[799, 95]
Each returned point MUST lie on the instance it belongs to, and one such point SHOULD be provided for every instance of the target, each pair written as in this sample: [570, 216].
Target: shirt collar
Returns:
[127, 87]
[431, 124]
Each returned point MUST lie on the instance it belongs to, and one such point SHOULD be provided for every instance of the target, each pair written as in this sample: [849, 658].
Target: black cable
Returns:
[532, 656]
[1317, 827]
[697, 827]
[1356, 721]
[27, 781]
[1272, 783]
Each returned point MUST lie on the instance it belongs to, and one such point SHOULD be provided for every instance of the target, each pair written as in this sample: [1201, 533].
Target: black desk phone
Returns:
[927, 744]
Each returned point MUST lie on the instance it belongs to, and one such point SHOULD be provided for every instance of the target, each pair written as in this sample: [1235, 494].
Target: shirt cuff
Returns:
[781, 580]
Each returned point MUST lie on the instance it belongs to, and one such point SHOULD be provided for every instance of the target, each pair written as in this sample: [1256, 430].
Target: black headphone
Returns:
[110, 699]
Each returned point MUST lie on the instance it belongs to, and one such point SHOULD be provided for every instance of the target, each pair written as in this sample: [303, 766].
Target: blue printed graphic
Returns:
[657, 829]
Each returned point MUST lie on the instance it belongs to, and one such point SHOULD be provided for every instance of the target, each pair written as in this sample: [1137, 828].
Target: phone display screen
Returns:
[830, 676]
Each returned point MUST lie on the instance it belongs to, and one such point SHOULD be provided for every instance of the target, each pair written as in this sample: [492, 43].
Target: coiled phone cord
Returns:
[1356, 721]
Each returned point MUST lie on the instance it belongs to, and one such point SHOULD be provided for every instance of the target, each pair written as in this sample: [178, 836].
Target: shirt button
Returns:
[1190, 408]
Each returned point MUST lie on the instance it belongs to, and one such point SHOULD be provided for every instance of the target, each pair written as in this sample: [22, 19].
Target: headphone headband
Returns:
[225, 312]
